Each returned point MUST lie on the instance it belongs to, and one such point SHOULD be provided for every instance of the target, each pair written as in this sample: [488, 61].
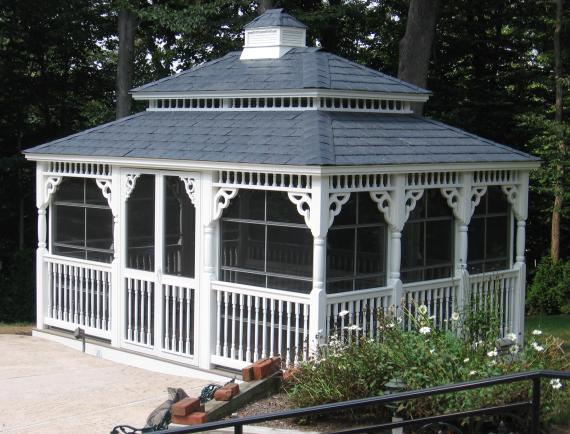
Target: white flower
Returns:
[513, 349]
[466, 360]
[425, 330]
[472, 372]
[399, 320]
[511, 337]
[492, 363]
[432, 351]
[390, 325]
[493, 353]
[537, 347]
[455, 316]
[423, 309]
[556, 383]
[343, 313]
[432, 317]
[352, 327]
[537, 332]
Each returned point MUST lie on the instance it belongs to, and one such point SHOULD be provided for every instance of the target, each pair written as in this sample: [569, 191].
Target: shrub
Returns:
[17, 288]
[421, 357]
[550, 289]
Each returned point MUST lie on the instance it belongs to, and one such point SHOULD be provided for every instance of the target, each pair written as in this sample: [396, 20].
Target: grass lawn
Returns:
[556, 325]
[16, 328]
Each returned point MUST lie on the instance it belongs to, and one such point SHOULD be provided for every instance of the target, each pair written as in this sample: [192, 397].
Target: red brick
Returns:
[234, 387]
[247, 373]
[185, 406]
[202, 408]
[223, 394]
[196, 418]
[263, 369]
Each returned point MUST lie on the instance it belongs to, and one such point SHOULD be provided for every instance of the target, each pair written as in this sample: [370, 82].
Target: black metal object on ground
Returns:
[426, 424]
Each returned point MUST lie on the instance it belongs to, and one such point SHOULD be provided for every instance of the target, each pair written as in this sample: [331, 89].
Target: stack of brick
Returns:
[188, 411]
[261, 369]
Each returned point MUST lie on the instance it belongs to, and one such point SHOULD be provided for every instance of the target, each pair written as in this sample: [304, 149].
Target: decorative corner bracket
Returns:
[463, 211]
[383, 201]
[410, 201]
[514, 198]
[336, 201]
[106, 187]
[50, 187]
[222, 200]
[190, 187]
[130, 183]
[303, 203]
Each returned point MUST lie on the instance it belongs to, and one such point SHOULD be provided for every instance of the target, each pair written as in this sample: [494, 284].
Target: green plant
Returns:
[420, 356]
[549, 291]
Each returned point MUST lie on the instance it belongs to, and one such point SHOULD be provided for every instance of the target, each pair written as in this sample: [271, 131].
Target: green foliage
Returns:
[549, 291]
[420, 356]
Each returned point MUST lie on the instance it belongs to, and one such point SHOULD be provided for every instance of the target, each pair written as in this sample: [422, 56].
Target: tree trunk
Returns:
[264, 5]
[416, 45]
[127, 27]
[558, 187]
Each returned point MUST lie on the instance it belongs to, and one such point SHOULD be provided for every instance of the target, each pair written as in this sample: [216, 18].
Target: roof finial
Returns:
[273, 34]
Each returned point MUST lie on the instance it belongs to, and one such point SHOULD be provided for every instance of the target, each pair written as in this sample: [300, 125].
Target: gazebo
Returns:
[262, 194]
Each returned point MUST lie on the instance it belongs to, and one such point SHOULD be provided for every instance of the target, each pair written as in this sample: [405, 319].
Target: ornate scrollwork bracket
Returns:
[50, 187]
[383, 201]
[463, 208]
[130, 183]
[410, 201]
[336, 201]
[303, 203]
[190, 187]
[106, 187]
[222, 200]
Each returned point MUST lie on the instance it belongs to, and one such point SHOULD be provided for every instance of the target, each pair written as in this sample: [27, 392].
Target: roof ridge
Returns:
[491, 142]
[187, 71]
[383, 75]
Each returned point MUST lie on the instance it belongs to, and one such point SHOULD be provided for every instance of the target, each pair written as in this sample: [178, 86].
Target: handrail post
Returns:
[238, 429]
[535, 428]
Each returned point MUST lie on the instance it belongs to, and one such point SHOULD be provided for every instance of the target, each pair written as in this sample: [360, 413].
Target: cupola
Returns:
[273, 34]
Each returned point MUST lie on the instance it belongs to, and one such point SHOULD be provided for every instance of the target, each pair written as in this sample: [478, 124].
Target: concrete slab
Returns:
[46, 388]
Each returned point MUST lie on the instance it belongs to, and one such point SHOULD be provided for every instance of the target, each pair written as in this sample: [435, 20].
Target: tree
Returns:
[416, 45]
[126, 29]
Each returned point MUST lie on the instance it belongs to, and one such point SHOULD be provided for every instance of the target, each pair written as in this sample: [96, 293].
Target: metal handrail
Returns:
[533, 404]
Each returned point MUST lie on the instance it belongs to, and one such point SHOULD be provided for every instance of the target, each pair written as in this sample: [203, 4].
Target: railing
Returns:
[253, 323]
[439, 296]
[178, 333]
[357, 308]
[529, 408]
[78, 295]
[495, 293]
[139, 318]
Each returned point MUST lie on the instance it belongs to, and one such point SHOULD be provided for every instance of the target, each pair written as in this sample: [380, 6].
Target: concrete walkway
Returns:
[47, 388]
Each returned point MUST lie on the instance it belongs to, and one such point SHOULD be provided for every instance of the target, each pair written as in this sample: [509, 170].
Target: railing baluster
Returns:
[166, 289]
[256, 351]
[249, 323]
[234, 331]
[174, 322]
[218, 319]
[137, 289]
[297, 343]
[240, 348]
[188, 316]
[289, 349]
[144, 325]
[180, 319]
[226, 314]
[264, 327]
[129, 309]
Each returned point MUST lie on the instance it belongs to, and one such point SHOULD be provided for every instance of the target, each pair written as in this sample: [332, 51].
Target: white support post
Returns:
[41, 275]
[520, 210]
[319, 219]
[206, 303]
[115, 299]
[158, 263]
[397, 221]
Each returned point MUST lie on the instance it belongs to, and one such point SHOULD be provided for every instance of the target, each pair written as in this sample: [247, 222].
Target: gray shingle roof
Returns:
[275, 18]
[283, 137]
[300, 68]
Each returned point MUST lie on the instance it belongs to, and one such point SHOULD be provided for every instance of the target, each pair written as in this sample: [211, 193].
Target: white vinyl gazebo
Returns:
[262, 193]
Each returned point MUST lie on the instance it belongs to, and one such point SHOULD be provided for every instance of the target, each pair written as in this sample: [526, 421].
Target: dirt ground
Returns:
[16, 329]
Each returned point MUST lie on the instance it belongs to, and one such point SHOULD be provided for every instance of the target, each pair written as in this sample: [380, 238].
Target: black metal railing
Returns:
[530, 407]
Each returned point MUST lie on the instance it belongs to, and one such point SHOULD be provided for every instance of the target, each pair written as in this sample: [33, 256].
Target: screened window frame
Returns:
[264, 223]
[424, 220]
[509, 244]
[355, 274]
[53, 220]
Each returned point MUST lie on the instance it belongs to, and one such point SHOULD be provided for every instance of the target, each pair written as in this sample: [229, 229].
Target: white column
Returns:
[397, 220]
[41, 275]
[158, 262]
[118, 208]
[206, 305]
[319, 219]
[520, 210]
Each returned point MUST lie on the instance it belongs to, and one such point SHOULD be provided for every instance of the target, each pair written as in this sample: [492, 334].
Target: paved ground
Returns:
[47, 388]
